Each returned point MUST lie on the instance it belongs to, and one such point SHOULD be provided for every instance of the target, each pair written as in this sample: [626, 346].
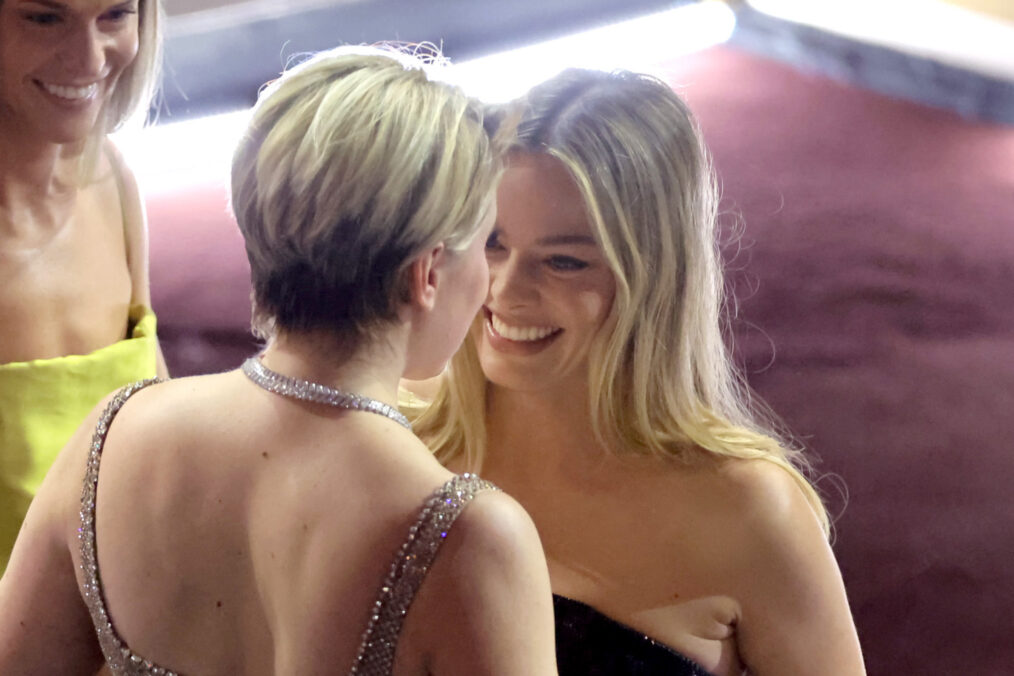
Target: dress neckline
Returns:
[576, 605]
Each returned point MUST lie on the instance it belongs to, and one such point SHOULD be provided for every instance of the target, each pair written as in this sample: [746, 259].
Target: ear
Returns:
[425, 276]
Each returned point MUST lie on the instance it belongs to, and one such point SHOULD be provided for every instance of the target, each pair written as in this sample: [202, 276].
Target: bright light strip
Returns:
[928, 28]
[640, 44]
[172, 157]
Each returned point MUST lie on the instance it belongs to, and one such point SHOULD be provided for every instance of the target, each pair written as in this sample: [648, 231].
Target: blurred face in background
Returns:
[60, 61]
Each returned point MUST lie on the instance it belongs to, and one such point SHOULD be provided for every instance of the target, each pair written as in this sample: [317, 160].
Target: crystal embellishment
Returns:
[122, 660]
[305, 390]
[409, 568]
[386, 616]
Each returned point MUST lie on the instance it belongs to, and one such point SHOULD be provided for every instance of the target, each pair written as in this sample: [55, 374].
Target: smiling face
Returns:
[60, 61]
[550, 288]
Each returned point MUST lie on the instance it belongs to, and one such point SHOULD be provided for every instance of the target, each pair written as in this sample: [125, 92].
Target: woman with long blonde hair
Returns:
[682, 534]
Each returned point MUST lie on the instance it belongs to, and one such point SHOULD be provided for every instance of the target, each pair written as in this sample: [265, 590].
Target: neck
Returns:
[369, 370]
[554, 438]
[35, 176]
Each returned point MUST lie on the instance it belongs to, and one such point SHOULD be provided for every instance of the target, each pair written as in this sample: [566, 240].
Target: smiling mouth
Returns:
[70, 93]
[520, 334]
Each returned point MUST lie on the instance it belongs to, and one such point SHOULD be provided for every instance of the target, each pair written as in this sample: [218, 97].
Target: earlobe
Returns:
[425, 277]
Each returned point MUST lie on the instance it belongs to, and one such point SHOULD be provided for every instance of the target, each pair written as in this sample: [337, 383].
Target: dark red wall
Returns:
[876, 289]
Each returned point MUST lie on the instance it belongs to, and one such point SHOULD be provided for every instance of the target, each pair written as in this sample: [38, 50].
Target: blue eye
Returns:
[493, 242]
[43, 18]
[120, 14]
[566, 263]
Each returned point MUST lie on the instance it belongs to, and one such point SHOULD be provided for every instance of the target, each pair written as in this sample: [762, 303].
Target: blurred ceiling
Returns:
[219, 52]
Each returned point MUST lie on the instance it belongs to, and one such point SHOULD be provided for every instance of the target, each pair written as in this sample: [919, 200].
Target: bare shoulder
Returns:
[780, 568]
[766, 494]
[495, 531]
[768, 522]
[491, 583]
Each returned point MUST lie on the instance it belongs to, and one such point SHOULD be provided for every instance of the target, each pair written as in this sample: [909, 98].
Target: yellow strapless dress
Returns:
[42, 403]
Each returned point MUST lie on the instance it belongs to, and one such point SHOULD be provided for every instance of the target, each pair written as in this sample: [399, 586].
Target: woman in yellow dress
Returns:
[75, 318]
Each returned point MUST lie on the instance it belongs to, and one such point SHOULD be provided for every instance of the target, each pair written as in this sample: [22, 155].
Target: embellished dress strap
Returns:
[409, 568]
[122, 660]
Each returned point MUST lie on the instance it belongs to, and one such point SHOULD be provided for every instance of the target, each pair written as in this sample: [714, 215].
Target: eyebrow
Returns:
[61, 7]
[52, 4]
[47, 3]
[556, 240]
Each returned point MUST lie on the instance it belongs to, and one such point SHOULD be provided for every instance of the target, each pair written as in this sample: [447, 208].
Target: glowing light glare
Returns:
[638, 44]
[929, 28]
[168, 157]
[173, 157]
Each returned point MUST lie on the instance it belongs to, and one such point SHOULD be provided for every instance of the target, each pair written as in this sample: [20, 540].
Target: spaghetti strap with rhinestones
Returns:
[405, 575]
[121, 659]
[407, 571]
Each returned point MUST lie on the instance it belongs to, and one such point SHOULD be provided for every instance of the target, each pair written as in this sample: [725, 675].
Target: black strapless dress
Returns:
[589, 643]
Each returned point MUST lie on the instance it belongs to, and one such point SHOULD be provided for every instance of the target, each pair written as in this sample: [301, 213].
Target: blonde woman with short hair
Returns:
[682, 534]
[282, 518]
[75, 315]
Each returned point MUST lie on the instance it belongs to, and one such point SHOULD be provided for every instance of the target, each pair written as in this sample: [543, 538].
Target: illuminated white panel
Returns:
[170, 157]
[928, 28]
[638, 44]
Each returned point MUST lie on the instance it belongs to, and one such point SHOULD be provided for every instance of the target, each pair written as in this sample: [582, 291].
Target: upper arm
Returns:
[43, 619]
[795, 617]
[492, 588]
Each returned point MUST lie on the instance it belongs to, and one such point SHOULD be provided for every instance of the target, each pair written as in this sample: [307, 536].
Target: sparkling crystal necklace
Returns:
[305, 390]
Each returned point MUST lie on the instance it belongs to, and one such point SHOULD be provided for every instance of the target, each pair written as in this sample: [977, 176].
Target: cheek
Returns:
[126, 49]
[479, 279]
[594, 305]
[590, 303]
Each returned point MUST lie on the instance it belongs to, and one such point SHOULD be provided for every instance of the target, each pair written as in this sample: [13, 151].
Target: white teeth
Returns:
[520, 333]
[71, 93]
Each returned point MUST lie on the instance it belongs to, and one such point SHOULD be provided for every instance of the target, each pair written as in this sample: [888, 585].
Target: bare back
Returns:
[255, 539]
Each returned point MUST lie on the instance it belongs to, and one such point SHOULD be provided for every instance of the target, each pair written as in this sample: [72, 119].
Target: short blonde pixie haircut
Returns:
[661, 381]
[355, 162]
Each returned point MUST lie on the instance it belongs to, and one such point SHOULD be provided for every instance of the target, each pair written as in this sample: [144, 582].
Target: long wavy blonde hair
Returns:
[661, 381]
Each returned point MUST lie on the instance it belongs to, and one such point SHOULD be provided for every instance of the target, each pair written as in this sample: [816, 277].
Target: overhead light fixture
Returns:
[928, 28]
[169, 157]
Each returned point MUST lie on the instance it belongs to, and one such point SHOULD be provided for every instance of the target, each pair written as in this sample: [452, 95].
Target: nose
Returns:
[84, 52]
[512, 282]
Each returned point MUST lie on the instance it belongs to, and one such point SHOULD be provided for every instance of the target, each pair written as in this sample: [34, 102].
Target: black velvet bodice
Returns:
[589, 643]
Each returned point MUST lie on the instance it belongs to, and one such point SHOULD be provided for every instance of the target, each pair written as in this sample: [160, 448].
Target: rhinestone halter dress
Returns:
[386, 616]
